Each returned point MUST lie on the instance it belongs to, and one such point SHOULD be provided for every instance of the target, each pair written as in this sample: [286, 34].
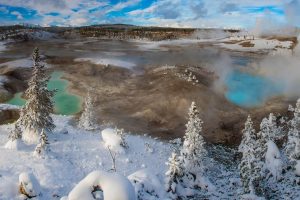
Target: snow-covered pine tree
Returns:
[251, 164]
[174, 173]
[292, 147]
[35, 115]
[42, 147]
[269, 129]
[192, 155]
[87, 119]
[193, 149]
[16, 132]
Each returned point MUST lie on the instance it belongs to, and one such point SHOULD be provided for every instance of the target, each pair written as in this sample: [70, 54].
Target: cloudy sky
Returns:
[175, 13]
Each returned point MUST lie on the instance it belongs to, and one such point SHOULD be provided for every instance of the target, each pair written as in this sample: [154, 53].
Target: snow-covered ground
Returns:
[254, 44]
[74, 154]
[79, 160]
[108, 61]
[2, 46]
[24, 62]
[8, 106]
[160, 45]
[21, 63]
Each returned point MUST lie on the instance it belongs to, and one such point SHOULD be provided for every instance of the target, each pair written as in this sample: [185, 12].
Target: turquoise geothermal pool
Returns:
[248, 90]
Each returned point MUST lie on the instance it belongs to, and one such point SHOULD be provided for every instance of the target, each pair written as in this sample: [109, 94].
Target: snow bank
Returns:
[21, 63]
[108, 61]
[4, 106]
[114, 187]
[273, 160]
[112, 140]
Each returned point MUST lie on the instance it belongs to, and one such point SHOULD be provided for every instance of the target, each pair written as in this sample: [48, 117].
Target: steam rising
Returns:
[284, 69]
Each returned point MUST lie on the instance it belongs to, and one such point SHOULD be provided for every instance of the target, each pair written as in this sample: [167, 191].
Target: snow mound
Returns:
[114, 187]
[112, 140]
[273, 160]
[108, 61]
[147, 185]
[14, 144]
[28, 185]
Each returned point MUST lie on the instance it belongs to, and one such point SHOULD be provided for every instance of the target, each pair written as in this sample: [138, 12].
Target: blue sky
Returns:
[174, 13]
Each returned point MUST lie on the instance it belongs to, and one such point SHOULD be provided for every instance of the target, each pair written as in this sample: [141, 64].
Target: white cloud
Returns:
[122, 5]
[179, 13]
[17, 14]
[148, 10]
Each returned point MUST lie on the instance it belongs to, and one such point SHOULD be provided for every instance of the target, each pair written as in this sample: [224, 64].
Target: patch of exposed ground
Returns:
[156, 102]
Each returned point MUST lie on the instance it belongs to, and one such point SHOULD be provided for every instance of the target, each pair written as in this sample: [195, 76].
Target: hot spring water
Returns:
[249, 90]
[64, 102]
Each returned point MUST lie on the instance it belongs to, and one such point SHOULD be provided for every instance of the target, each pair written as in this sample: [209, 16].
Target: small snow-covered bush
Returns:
[112, 140]
[28, 185]
[147, 185]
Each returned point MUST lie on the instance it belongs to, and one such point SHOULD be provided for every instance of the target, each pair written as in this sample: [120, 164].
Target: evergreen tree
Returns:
[87, 119]
[292, 147]
[251, 164]
[16, 132]
[193, 150]
[42, 147]
[173, 174]
[35, 115]
[269, 129]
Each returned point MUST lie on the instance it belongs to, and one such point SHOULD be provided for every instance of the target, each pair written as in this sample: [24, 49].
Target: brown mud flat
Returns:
[157, 101]
[154, 101]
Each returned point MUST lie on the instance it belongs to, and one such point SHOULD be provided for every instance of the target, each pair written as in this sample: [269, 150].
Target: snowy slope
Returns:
[76, 153]
[73, 156]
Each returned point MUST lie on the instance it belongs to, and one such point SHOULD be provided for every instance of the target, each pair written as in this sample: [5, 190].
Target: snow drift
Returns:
[114, 187]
